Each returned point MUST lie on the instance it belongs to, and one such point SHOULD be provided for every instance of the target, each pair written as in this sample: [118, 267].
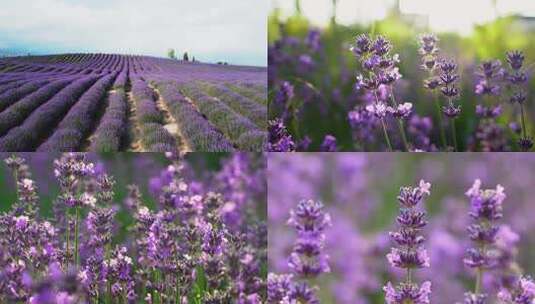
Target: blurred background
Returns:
[360, 190]
[324, 75]
[225, 172]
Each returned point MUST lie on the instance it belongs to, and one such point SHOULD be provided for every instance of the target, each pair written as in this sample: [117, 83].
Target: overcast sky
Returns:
[212, 30]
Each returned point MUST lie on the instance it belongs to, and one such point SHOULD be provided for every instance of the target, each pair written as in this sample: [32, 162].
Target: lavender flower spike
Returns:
[309, 220]
[485, 209]
[410, 253]
[307, 260]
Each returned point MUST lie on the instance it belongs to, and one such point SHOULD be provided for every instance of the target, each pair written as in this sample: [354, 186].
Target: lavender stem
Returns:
[387, 139]
[76, 220]
[440, 123]
[522, 118]
[400, 121]
[454, 135]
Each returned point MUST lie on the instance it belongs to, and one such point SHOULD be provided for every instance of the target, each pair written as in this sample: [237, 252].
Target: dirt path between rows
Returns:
[134, 131]
[170, 124]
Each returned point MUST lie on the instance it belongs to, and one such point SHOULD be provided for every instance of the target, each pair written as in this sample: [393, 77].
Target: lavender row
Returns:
[17, 113]
[10, 97]
[27, 136]
[110, 133]
[147, 112]
[120, 81]
[253, 141]
[199, 133]
[258, 97]
[79, 121]
[240, 104]
[225, 119]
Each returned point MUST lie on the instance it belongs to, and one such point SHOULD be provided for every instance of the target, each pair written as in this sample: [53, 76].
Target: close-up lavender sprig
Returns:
[485, 209]
[380, 66]
[307, 260]
[517, 78]
[448, 79]
[429, 51]
[410, 253]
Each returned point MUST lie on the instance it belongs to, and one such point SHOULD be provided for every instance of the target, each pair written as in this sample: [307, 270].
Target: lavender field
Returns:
[400, 228]
[81, 228]
[108, 103]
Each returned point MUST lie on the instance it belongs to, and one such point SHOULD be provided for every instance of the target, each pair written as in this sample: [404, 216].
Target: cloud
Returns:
[231, 30]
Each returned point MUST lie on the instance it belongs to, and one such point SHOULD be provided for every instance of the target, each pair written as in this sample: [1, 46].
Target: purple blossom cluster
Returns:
[382, 72]
[188, 250]
[279, 139]
[410, 254]
[307, 260]
[517, 78]
[486, 209]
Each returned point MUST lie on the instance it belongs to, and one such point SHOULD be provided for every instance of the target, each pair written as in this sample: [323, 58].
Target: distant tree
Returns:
[186, 57]
[171, 54]
[193, 59]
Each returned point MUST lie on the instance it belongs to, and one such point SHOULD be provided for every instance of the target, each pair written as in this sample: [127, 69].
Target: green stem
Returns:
[441, 125]
[524, 132]
[479, 277]
[77, 218]
[400, 121]
[16, 175]
[454, 135]
[177, 291]
[387, 139]
[479, 271]
[156, 298]
[409, 275]
[403, 135]
[67, 236]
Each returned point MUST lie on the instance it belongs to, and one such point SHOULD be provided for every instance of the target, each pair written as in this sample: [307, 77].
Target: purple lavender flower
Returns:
[26, 190]
[410, 253]
[485, 209]
[407, 293]
[313, 39]
[517, 78]
[448, 78]
[285, 93]
[309, 220]
[489, 73]
[307, 260]
[522, 293]
[279, 139]
[363, 123]
[381, 68]
[329, 144]
[278, 287]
